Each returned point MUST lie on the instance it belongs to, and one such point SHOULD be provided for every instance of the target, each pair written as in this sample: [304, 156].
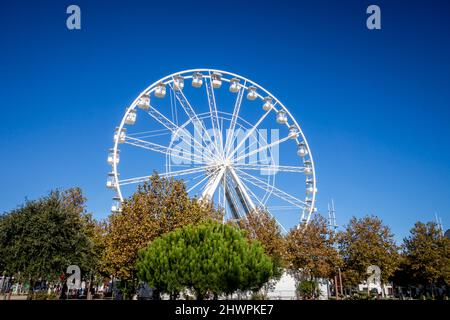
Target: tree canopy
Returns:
[311, 251]
[212, 257]
[40, 239]
[261, 226]
[426, 255]
[364, 242]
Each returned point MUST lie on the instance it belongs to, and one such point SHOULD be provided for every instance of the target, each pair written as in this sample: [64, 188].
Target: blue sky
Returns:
[373, 104]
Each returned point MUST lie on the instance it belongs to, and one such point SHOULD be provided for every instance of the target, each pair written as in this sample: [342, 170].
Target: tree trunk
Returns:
[88, 295]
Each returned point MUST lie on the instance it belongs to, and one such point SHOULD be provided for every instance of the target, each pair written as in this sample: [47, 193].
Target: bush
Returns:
[308, 289]
[44, 296]
[258, 296]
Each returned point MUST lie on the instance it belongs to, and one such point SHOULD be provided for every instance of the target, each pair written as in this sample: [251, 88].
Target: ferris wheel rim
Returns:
[170, 78]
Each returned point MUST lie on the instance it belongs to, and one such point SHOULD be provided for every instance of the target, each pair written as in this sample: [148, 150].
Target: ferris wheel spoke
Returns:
[282, 208]
[207, 176]
[187, 180]
[178, 173]
[255, 197]
[264, 147]
[213, 112]
[269, 167]
[163, 175]
[254, 142]
[175, 129]
[264, 207]
[237, 107]
[274, 190]
[149, 132]
[194, 118]
[162, 149]
[249, 133]
[268, 210]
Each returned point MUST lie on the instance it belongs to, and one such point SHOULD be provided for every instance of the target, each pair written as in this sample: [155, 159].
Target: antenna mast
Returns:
[332, 216]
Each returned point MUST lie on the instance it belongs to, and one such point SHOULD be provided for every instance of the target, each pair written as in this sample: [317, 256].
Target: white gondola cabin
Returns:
[116, 206]
[197, 80]
[234, 85]
[301, 149]
[111, 181]
[293, 132]
[160, 91]
[178, 82]
[120, 136]
[308, 201]
[281, 116]
[131, 117]
[216, 79]
[252, 95]
[111, 156]
[144, 102]
[268, 104]
[310, 189]
[308, 167]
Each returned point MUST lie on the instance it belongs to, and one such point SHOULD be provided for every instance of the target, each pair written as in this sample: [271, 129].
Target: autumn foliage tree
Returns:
[365, 242]
[310, 250]
[426, 256]
[158, 206]
[261, 226]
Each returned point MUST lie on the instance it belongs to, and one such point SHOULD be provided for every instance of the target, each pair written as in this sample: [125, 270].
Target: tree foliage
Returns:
[311, 251]
[426, 256]
[211, 257]
[157, 207]
[364, 242]
[40, 239]
[261, 226]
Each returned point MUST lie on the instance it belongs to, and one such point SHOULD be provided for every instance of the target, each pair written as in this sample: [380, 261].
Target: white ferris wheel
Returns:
[229, 139]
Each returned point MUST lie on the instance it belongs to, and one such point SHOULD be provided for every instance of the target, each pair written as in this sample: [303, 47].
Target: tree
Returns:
[310, 250]
[261, 226]
[365, 242]
[43, 237]
[426, 256]
[212, 257]
[158, 206]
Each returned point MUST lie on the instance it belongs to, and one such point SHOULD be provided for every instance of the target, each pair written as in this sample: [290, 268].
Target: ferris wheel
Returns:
[229, 139]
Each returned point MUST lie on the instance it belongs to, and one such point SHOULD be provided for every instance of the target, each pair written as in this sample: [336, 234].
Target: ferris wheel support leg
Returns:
[246, 201]
[231, 200]
[212, 185]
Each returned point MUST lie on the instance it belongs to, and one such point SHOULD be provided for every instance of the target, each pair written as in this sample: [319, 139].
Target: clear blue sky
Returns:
[373, 104]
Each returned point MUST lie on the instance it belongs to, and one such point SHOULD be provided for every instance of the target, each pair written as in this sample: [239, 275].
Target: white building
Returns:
[286, 288]
[386, 290]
